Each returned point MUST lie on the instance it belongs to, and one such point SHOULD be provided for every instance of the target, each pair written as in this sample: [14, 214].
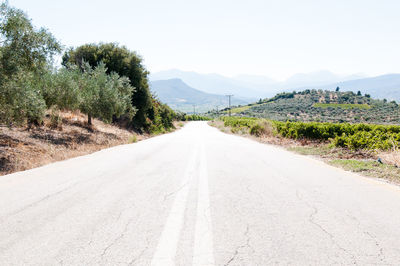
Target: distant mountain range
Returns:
[208, 90]
[381, 87]
[179, 96]
[250, 86]
[210, 83]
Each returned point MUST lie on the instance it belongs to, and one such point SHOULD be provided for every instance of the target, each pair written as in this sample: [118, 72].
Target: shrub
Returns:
[132, 139]
[21, 100]
[262, 128]
[257, 130]
[351, 136]
[197, 118]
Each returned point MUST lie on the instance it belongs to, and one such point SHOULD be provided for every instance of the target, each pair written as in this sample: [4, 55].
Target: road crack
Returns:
[140, 255]
[121, 235]
[380, 249]
[311, 219]
[246, 245]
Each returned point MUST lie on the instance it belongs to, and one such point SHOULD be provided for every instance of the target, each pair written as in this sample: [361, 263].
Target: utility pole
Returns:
[194, 109]
[229, 99]
[217, 108]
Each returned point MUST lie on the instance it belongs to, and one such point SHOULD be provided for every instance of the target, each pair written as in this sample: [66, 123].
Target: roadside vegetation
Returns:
[196, 118]
[365, 148]
[97, 98]
[104, 81]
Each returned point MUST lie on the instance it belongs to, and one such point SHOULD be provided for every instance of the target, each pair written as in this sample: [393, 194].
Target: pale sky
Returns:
[274, 38]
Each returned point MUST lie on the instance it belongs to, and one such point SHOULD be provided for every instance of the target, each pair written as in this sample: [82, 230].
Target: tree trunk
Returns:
[89, 120]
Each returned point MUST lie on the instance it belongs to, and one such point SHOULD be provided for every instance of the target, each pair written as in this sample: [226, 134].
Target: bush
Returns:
[232, 121]
[132, 139]
[55, 120]
[257, 130]
[197, 118]
[262, 128]
[21, 100]
[351, 136]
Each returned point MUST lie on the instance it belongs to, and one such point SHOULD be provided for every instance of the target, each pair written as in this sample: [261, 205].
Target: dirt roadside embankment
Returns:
[22, 148]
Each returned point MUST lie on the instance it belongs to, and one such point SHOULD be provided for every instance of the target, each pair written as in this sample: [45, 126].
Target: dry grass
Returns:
[64, 135]
[370, 168]
[22, 148]
[391, 157]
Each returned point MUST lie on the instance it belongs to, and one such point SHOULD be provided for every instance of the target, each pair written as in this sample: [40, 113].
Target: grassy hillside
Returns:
[324, 106]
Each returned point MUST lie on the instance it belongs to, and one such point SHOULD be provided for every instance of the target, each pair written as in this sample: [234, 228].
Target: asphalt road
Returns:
[197, 197]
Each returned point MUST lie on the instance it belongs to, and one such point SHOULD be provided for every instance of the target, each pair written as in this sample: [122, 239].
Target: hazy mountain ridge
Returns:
[381, 87]
[255, 86]
[209, 83]
[179, 96]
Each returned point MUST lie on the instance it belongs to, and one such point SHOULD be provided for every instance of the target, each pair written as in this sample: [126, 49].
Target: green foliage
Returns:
[162, 117]
[25, 54]
[125, 63]
[254, 126]
[351, 136]
[180, 116]
[61, 89]
[132, 139]
[342, 105]
[21, 100]
[105, 81]
[55, 119]
[257, 130]
[93, 92]
[232, 121]
[104, 96]
[22, 46]
[196, 118]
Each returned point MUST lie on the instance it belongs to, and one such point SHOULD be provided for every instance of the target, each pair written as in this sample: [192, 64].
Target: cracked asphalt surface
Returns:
[263, 205]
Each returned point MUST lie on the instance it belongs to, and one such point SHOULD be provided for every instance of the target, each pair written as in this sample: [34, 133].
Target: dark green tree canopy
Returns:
[122, 61]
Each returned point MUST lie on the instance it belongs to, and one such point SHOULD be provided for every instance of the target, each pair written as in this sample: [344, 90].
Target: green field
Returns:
[342, 105]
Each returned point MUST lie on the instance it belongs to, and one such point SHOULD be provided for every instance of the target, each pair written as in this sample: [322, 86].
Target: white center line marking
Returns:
[167, 245]
[203, 253]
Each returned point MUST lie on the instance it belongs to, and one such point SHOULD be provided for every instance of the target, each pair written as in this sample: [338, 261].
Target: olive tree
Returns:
[124, 62]
[104, 96]
[25, 54]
